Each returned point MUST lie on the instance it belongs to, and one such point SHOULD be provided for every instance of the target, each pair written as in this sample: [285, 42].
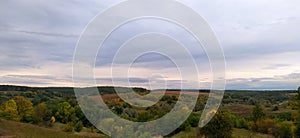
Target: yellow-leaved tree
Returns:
[9, 110]
[25, 108]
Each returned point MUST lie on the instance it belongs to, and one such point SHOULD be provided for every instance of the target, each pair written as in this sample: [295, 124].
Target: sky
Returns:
[260, 39]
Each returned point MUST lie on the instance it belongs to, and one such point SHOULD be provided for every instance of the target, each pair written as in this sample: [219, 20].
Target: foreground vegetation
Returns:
[18, 129]
[56, 111]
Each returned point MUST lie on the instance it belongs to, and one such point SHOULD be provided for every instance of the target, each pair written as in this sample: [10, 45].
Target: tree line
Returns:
[21, 109]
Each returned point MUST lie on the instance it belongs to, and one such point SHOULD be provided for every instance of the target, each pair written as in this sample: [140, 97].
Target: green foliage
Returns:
[9, 110]
[193, 120]
[238, 122]
[25, 108]
[78, 126]
[40, 113]
[143, 117]
[242, 123]
[219, 127]
[65, 113]
[258, 113]
[200, 104]
[68, 127]
[80, 115]
[287, 129]
[285, 116]
[186, 126]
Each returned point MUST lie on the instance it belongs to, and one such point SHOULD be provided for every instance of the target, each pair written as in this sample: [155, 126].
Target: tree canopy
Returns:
[9, 110]
[219, 127]
[25, 108]
[258, 113]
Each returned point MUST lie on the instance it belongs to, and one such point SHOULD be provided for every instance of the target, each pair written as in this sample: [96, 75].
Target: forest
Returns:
[241, 114]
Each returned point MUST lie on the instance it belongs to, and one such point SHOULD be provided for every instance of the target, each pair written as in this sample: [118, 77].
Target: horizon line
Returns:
[186, 89]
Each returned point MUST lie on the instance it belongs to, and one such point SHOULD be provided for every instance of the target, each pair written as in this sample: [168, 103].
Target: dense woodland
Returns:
[273, 113]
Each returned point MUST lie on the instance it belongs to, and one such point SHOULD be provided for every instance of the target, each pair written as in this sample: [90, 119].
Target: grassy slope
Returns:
[17, 129]
[237, 133]
[242, 133]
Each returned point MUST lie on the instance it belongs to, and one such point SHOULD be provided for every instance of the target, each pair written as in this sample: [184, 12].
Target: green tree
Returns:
[65, 113]
[219, 127]
[258, 113]
[40, 113]
[9, 110]
[25, 108]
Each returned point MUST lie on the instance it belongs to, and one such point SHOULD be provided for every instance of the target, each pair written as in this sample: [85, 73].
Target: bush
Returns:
[68, 127]
[285, 116]
[219, 126]
[242, 123]
[78, 126]
[287, 129]
[252, 126]
[194, 120]
[265, 126]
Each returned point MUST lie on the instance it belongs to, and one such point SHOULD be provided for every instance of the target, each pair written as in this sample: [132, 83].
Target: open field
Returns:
[238, 109]
[113, 96]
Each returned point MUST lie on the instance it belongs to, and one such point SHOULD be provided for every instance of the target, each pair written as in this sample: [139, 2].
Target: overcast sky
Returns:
[260, 38]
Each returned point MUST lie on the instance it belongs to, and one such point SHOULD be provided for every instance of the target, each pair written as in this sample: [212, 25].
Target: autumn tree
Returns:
[9, 110]
[219, 126]
[25, 108]
[40, 113]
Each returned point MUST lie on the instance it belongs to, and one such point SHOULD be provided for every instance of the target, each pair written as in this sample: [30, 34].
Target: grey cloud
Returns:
[37, 33]
[44, 80]
[131, 80]
[47, 34]
[288, 81]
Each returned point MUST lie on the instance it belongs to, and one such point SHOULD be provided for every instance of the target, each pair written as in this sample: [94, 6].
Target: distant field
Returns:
[184, 92]
[238, 109]
[113, 96]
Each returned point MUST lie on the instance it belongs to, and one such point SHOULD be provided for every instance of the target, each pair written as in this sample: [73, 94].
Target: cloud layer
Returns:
[261, 42]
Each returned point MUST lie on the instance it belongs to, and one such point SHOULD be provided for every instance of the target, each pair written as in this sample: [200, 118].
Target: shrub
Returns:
[252, 126]
[242, 123]
[287, 129]
[265, 126]
[219, 126]
[78, 126]
[68, 127]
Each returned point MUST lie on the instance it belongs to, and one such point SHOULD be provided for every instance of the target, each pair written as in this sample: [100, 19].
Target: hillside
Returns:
[16, 129]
